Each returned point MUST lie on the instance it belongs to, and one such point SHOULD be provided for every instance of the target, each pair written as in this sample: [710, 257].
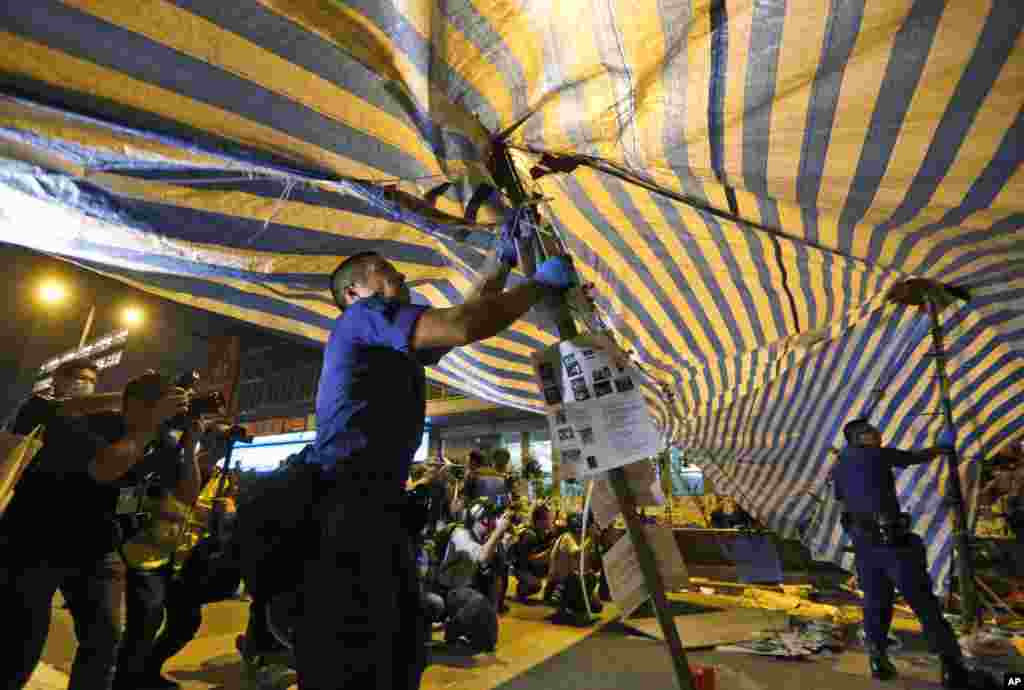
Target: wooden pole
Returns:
[506, 177]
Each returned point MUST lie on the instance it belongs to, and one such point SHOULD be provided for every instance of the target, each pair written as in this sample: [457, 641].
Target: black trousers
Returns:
[471, 614]
[94, 590]
[151, 596]
[882, 570]
[362, 624]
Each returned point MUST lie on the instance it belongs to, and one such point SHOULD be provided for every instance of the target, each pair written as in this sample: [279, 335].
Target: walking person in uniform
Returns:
[362, 625]
[888, 555]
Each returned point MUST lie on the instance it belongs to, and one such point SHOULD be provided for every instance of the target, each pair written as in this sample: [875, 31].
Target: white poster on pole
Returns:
[642, 478]
[626, 580]
[597, 415]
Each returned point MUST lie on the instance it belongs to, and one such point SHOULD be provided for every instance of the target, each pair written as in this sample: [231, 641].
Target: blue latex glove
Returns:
[946, 440]
[557, 273]
[508, 253]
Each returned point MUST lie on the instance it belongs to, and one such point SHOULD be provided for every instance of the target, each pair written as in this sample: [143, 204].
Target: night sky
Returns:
[33, 332]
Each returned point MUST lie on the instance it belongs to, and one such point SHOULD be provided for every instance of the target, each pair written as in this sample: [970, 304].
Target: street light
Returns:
[132, 316]
[52, 292]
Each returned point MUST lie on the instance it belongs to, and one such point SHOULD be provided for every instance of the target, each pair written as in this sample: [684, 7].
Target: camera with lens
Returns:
[505, 502]
[199, 405]
[236, 434]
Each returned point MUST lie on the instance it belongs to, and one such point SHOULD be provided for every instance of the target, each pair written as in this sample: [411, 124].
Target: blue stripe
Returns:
[422, 54]
[994, 47]
[716, 88]
[582, 202]
[841, 31]
[194, 287]
[211, 228]
[676, 19]
[90, 108]
[911, 45]
[759, 93]
[769, 211]
[84, 36]
[742, 288]
[276, 34]
[674, 223]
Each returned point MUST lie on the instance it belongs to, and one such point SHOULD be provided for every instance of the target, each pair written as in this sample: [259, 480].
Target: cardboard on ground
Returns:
[717, 628]
[625, 578]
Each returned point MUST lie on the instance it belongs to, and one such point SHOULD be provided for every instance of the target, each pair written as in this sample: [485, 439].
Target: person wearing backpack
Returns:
[466, 577]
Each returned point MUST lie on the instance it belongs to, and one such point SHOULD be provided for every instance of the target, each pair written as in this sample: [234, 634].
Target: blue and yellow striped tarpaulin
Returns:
[741, 181]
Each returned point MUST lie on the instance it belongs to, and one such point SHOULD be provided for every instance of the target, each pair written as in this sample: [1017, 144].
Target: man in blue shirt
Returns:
[362, 626]
[888, 554]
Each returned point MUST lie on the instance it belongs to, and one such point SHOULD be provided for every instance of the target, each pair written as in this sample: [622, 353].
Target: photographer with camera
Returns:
[59, 532]
[532, 553]
[156, 553]
[467, 578]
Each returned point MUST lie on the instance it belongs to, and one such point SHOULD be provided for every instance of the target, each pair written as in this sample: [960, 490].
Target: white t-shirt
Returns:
[462, 560]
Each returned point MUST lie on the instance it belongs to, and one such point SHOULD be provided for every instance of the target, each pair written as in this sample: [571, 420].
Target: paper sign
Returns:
[622, 567]
[598, 417]
[643, 481]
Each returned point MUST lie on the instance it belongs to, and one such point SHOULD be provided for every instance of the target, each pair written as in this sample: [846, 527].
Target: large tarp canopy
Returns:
[741, 181]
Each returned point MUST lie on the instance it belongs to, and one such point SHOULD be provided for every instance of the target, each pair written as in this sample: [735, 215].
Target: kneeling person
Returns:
[564, 584]
[467, 577]
[532, 553]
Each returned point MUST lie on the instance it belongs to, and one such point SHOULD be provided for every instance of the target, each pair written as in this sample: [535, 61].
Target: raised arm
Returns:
[499, 262]
[906, 458]
[116, 459]
[91, 404]
[489, 314]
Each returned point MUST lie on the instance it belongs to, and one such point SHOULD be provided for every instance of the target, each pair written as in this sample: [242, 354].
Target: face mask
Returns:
[80, 389]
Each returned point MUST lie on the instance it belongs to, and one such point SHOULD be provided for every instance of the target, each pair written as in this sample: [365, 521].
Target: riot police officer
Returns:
[888, 554]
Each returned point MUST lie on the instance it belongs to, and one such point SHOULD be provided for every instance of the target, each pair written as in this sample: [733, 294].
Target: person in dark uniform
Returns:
[362, 623]
[888, 554]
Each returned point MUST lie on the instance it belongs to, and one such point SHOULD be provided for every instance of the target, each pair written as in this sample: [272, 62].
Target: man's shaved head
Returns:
[350, 271]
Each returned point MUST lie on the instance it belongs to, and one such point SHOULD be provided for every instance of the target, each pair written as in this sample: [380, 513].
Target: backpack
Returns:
[437, 549]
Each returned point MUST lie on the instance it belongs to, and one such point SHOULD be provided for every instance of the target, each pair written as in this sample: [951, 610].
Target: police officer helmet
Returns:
[854, 429]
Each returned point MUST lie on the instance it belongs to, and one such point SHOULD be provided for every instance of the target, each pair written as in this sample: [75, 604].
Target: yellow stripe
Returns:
[56, 126]
[957, 34]
[698, 47]
[466, 362]
[741, 15]
[258, 208]
[803, 35]
[997, 114]
[858, 96]
[350, 31]
[196, 37]
[999, 111]
[45, 64]
[474, 67]
[571, 215]
[249, 315]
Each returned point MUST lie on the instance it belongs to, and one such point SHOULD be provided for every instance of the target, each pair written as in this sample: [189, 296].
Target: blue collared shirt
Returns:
[864, 481]
[371, 401]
